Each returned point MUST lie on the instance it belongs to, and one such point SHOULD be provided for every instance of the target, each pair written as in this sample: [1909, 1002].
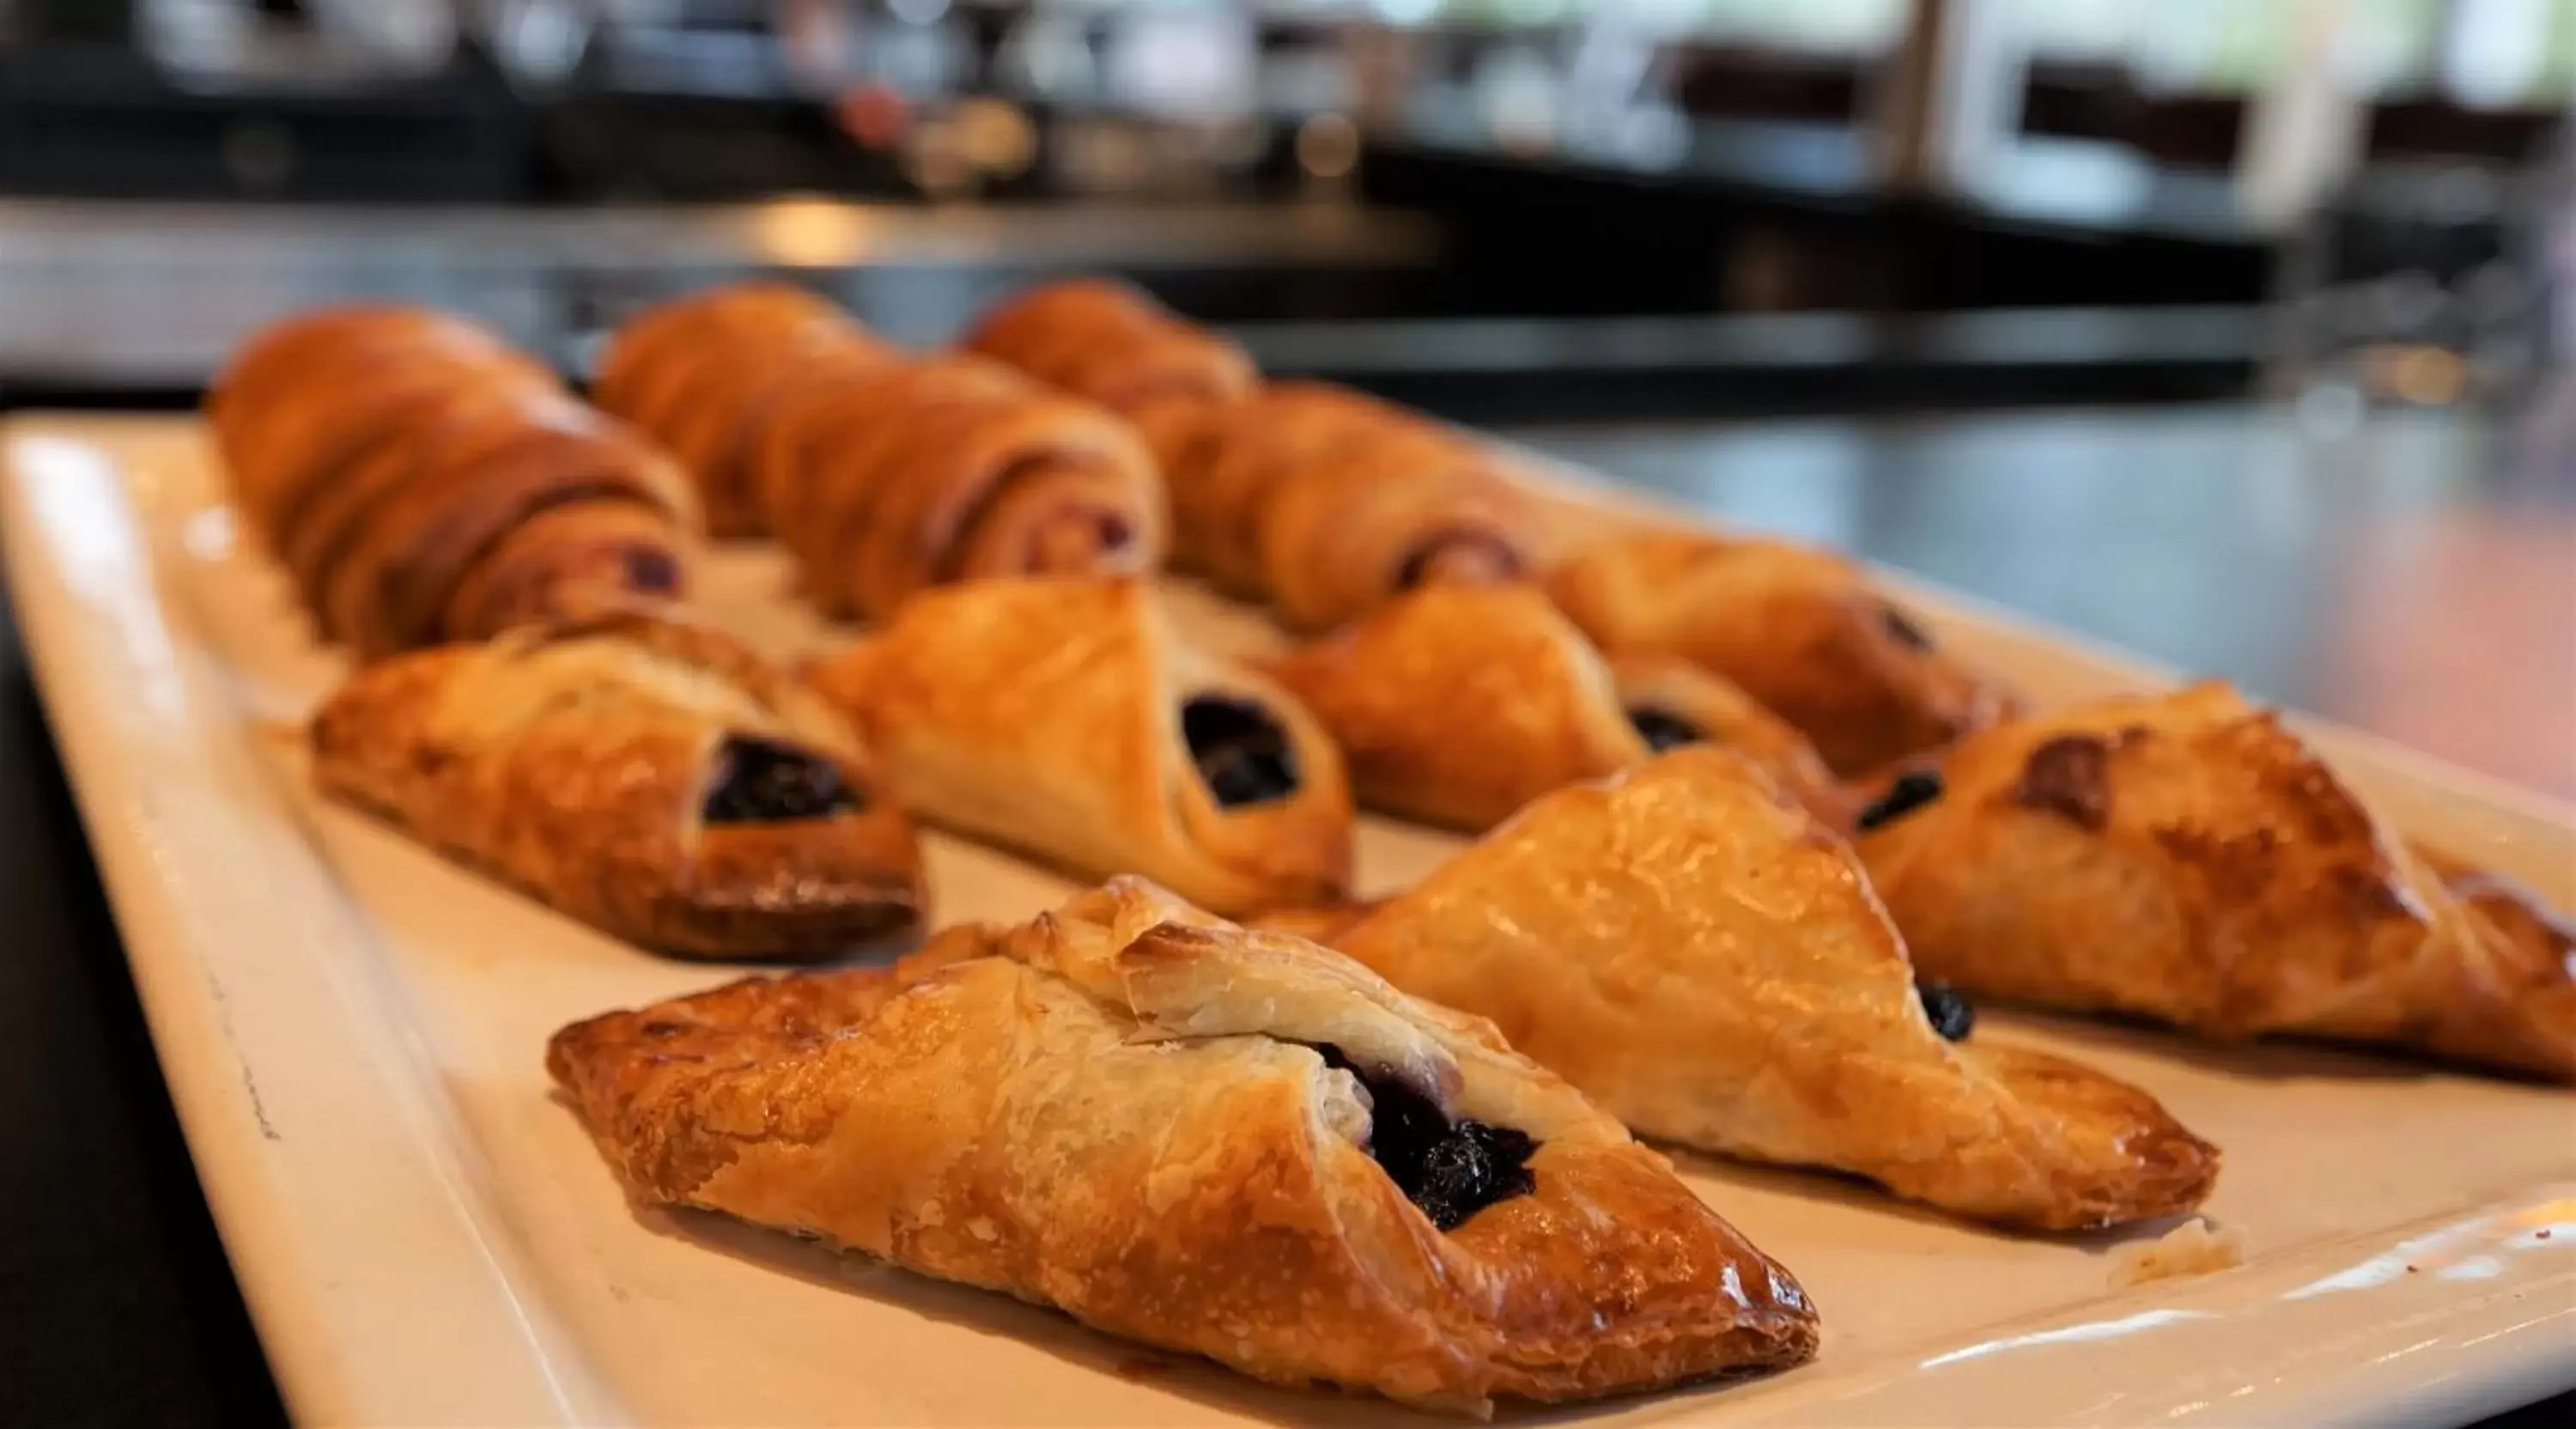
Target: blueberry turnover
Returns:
[1068, 719]
[1458, 703]
[2187, 858]
[648, 776]
[1217, 1142]
[1694, 952]
[1799, 630]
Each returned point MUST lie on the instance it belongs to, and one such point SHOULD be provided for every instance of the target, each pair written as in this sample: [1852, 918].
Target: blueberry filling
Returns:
[1912, 790]
[1662, 729]
[1448, 1169]
[1242, 753]
[762, 781]
[1952, 1015]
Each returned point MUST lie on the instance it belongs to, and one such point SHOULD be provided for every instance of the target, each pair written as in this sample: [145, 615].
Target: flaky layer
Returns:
[2185, 857]
[1121, 1110]
[1047, 715]
[1690, 949]
[576, 762]
[1799, 630]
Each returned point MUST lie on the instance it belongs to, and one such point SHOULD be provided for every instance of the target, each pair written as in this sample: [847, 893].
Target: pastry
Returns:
[1691, 950]
[1327, 504]
[1457, 704]
[422, 483]
[1799, 630]
[1112, 345]
[1068, 719]
[2184, 857]
[699, 374]
[648, 776]
[1213, 1141]
[883, 481]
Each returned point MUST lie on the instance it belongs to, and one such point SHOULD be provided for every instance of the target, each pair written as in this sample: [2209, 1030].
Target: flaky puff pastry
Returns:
[699, 373]
[886, 481]
[1799, 630]
[1069, 719]
[1691, 950]
[1178, 1132]
[2186, 858]
[1113, 345]
[1458, 704]
[649, 776]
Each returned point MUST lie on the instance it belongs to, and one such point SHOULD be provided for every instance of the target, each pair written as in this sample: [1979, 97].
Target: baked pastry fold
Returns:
[883, 481]
[1197, 1137]
[1457, 704]
[1110, 344]
[651, 777]
[2184, 857]
[699, 373]
[1691, 950]
[421, 482]
[1798, 629]
[1326, 504]
[1068, 718]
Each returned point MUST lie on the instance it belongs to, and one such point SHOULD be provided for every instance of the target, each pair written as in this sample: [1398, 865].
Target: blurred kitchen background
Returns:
[2232, 331]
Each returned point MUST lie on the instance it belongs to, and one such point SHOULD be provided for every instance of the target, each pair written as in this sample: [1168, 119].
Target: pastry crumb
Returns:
[2199, 1246]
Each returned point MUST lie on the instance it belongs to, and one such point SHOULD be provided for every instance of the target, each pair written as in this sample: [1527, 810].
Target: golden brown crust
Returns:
[699, 374]
[384, 455]
[574, 761]
[1327, 504]
[1457, 704]
[1108, 343]
[1046, 715]
[2186, 858]
[1122, 1113]
[887, 481]
[1799, 630]
[1690, 949]
[1726, 716]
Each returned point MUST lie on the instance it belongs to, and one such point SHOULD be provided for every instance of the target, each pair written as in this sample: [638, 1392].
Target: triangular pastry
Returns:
[1226, 1143]
[1799, 629]
[649, 776]
[1691, 950]
[2185, 857]
[1068, 718]
[1458, 704]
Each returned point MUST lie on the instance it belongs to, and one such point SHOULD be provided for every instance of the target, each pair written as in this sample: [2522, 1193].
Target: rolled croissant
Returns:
[885, 481]
[699, 373]
[423, 482]
[1113, 345]
[1328, 504]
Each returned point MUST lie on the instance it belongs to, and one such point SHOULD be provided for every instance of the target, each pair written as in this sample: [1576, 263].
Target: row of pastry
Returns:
[1191, 1131]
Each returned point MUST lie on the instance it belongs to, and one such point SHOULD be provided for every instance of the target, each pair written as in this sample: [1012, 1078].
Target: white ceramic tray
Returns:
[352, 1031]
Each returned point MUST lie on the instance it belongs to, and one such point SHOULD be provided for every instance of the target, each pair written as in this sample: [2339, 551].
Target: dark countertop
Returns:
[2337, 577]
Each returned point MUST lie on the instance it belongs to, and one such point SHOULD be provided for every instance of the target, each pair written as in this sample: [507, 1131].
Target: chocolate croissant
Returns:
[421, 482]
[651, 777]
[1219, 1142]
[883, 481]
[1458, 704]
[1068, 718]
[699, 374]
[1327, 504]
[1112, 345]
[1799, 630]
[2187, 858]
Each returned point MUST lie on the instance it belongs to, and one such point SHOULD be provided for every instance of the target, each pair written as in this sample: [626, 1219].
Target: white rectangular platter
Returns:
[352, 1031]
